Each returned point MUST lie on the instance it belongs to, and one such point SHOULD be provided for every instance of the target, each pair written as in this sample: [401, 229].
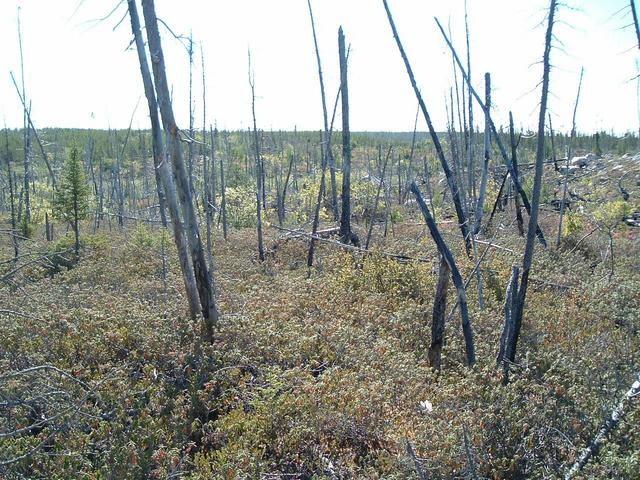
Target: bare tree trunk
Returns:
[470, 144]
[191, 134]
[375, 204]
[455, 274]
[537, 187]
[316, 213]
[282, 194]
[409, 177]
[514, 161]
[204, 280]
[634, 13]
[509, 305]
[569, 152]
[8, 158]
[207, 193]
[494, 130]
[487, 155]
[346, 234]
[26, 133]
[223, 186]
[553, 146]
[259, 175]
[35, 133]
[326, 139]
[455, 194]
[439, 314]
[162, 170]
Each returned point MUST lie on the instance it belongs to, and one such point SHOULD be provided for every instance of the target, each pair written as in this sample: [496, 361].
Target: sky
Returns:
[79, 72]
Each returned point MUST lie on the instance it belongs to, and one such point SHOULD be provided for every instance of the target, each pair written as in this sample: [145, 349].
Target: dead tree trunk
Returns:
[316, 213]
[346, 234]
[223, 186]
[375, 204]
[634, 13]
[487, 155]
[509, 304]
[537, 187]
[470, 139]
[455, 194]
[162, 170]
[35, 133]
[26, 135]
[455, 274]
[566, 173]
[259, 175]
[326, 139]
[514, 161]
[9, 159]
[609, 425]
[553, 146]
[494, 130]
[204, 280]
[439, 314]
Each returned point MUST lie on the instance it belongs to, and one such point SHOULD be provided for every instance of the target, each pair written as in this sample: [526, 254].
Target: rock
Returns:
[584, 160]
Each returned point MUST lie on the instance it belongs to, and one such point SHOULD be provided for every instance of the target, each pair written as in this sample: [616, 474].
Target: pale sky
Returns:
[78, 72]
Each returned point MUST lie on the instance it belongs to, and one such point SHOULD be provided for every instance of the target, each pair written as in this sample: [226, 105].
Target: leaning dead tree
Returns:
[203, 278]
[535, 197]
[458, 282]
[439, 314]
[326, 137]
[496, 135]
[634, 13]
[164, 176]
[451, 181]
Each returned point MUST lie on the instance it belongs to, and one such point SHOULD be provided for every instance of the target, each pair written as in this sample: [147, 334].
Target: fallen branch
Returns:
[608, 426]
[394, 256]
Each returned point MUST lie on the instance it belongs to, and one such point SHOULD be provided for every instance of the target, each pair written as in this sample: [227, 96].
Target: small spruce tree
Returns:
[71, 202]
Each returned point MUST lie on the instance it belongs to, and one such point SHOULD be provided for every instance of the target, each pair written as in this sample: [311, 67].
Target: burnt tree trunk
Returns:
[487, 155]
[346, 234]
[514, 161]
[455, 274]
[439, 314]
